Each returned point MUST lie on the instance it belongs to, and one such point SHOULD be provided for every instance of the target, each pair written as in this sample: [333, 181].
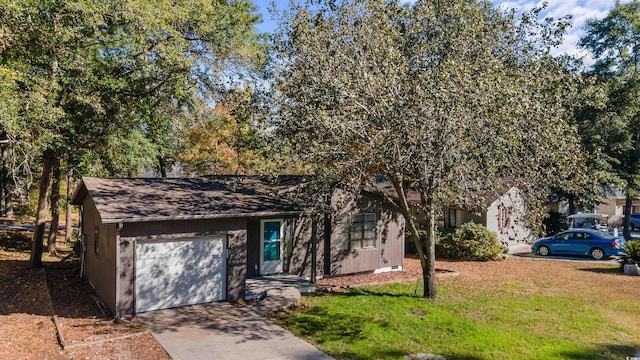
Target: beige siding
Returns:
[300, 261]
[389, 243]
[100, 267]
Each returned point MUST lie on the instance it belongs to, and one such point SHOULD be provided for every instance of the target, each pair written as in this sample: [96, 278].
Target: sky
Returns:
[581, 10]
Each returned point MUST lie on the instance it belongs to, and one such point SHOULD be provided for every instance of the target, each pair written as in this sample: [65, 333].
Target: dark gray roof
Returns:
[151, 199]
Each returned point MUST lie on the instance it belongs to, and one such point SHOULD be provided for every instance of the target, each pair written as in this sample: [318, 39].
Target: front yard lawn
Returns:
[513, 309]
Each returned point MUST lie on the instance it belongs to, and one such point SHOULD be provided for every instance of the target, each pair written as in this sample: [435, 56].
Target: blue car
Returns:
[635, 222]
[579, 242]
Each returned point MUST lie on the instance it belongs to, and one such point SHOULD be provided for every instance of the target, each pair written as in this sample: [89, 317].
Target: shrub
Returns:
[471, 242]
[410, 246]
[631, 250]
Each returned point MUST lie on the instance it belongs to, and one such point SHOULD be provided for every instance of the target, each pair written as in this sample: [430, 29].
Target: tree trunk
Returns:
[55, 208]
[626, 232]
[48, 159]
[426, 252]
[571, 199]
[68, 231]
[162, 166]
[429, 273]
[5, 201]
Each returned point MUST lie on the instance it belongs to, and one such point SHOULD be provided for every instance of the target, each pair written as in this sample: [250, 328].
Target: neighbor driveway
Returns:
[221, 331]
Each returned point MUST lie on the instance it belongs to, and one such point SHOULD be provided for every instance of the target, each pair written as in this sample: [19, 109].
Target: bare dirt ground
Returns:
[30, 298]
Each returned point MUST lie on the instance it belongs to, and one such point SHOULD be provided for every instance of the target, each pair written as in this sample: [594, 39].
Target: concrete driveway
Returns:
[220, 331]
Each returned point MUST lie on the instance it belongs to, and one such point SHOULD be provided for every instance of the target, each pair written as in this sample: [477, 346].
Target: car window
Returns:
[564, 236]
[587, 236]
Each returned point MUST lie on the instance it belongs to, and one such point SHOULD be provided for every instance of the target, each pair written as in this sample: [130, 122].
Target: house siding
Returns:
[389, 248]
[614, 208]
[301, 259]
[253, 248]
[100, 267]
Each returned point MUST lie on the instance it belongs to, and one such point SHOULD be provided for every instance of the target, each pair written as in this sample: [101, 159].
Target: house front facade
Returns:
[502, 213]
[159, 243]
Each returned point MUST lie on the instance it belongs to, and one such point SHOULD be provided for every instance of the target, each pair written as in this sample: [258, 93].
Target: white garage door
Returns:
[173, 273]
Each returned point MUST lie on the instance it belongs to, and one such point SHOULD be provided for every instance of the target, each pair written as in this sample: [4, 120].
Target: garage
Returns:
[178, 272]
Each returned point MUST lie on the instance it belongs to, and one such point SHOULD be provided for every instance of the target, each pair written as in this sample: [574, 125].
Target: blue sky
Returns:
[580, 9]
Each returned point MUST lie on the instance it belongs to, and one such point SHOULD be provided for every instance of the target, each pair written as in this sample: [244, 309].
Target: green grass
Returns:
[504, 322]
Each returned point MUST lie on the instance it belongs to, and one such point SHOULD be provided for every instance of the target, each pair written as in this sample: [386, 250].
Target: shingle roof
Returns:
[150, 199]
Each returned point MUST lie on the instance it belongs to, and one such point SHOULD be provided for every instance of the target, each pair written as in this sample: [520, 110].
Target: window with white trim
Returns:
[504, 218]
[357, 231]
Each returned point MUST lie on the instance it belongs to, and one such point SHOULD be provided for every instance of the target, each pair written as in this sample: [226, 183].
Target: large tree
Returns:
[93, 72]
[612, 131]
[448, 98]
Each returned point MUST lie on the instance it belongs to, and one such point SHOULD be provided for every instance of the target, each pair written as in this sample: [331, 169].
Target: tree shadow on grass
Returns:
[362, 291]
[319, 324]
[608, 270]
[606, 351]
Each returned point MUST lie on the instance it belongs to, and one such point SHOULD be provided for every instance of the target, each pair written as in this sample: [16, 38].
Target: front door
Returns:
[271, 246]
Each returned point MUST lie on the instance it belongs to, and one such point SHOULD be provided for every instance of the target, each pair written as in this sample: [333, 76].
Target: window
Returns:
[455, 218]
[357, 231]
[504, 218]
[96, 240]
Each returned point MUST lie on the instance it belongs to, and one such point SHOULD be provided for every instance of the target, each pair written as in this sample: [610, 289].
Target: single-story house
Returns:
[502, 213]
[158, 243]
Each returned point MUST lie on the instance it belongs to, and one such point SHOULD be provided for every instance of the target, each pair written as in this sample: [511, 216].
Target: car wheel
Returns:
[544, 251]
[597, 254]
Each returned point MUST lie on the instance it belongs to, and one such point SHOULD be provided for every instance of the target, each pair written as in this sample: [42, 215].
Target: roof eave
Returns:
[76, 193]
[201, 217]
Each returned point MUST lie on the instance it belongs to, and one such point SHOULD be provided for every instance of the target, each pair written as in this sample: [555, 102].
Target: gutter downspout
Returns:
[117, 314]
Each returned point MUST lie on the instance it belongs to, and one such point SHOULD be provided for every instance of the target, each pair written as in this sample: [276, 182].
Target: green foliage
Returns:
[554, 223]
[97, 75]
[631, 250]
[610, 129]
[444, 98]
[472, 242]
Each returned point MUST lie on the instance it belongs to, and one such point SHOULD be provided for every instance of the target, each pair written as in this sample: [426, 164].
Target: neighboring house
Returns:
[503, 214]
[159, 243]
[611, 204]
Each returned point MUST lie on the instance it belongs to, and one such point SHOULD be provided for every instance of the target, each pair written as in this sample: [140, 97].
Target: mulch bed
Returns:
[29, 299]
[411, 273]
